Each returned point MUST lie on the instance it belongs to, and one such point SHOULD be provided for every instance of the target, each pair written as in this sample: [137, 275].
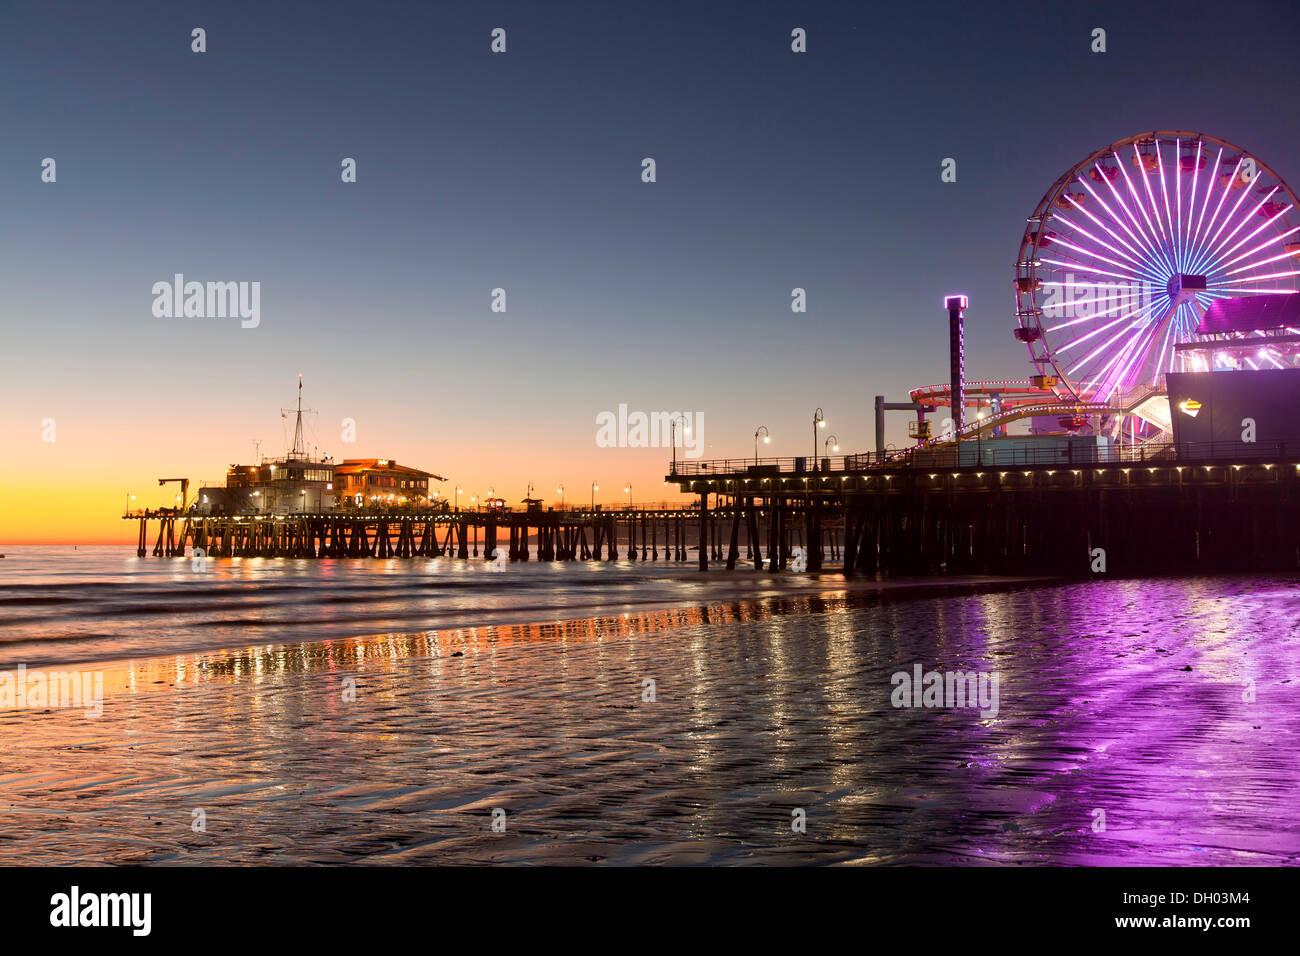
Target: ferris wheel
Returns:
[1129, 247]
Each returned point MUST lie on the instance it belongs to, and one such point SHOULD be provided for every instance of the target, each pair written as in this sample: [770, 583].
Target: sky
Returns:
[522, 171]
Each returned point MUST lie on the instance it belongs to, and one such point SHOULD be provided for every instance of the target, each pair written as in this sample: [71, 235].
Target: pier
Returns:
[637, 533]
[1159, 509]
[1229, 508]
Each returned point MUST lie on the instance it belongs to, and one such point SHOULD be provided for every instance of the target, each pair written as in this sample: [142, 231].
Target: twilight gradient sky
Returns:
[522, 171]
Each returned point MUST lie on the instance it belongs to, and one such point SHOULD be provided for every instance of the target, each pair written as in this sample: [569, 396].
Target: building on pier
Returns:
[303, 483]
[288, 485]
[296, 483]
[367, 482]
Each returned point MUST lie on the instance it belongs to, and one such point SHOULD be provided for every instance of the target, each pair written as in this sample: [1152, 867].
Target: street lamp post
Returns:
[979, 436]
[595, 488]
[458, 497]
[561, 491]
[628, 489]
[767, 440]
[831, 441]
[672, 439]
[819, 421]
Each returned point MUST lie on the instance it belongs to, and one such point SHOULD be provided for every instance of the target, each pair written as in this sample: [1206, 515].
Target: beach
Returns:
[770, 734]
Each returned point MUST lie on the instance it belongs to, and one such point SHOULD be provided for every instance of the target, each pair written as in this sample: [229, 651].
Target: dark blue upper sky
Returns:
[522, 171]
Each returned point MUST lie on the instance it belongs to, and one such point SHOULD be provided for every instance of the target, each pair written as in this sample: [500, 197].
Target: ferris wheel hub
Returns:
[1183, 288]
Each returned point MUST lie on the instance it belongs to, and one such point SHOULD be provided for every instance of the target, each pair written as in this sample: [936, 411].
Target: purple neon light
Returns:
[1256, 231]
[1227, 186]
[1246, 219]
[1151, 242]
[1135, 257]
[1123, 225]
[1178, 201]
[1137, 199]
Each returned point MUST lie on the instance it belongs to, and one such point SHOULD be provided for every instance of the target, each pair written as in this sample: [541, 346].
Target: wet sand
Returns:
[1124, 697]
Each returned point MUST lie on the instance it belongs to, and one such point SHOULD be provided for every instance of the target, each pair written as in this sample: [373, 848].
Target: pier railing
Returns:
[549, 514]
[991, 454]
[764, 467]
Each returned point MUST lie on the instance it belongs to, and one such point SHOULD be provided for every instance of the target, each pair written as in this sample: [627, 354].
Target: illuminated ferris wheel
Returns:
[1127, 250]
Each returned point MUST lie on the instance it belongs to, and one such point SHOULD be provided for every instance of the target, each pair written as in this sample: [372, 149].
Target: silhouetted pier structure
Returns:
[1156, 509]
[1141, 510]
[635, 533]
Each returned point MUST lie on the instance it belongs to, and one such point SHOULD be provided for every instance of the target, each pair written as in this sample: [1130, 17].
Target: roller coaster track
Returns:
[982, 427]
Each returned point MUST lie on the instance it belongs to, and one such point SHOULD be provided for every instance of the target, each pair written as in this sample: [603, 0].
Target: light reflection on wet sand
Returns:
[1120, 696]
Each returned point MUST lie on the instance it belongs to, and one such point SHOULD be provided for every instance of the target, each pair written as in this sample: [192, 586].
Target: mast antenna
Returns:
[299, 449]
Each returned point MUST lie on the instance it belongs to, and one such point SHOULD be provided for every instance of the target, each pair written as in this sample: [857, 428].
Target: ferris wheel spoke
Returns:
[1092, 317]
[1092, 270]
[1122, 354]
[1262, 262]
[1120, 292]
[1237, 293]
[1226, 219]
[1061, 350]
[1209, 188]
[1264, 292]
[1213, 256]
[1106, 259]
[1271, 275]
[1197, 162]
[1097, 331]
[1264, 245]
[1149, 242]
[1165, 357]
[1169, 216]
[1155, 208]
[1115, 372]
[1153, 241]
[1135, 258]
[1139, 237]
[1227, 182]
[1132, 354]
[1179, 249]
[1140, 358]
[1255, 232]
